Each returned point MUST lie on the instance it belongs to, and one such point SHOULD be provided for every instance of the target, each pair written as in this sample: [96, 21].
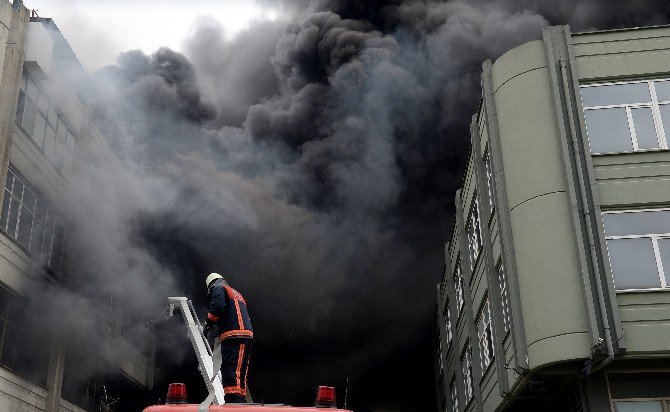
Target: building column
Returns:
[55, 377]
[10, 78]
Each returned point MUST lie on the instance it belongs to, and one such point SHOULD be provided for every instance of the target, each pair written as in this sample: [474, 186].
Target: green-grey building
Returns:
[554, 294]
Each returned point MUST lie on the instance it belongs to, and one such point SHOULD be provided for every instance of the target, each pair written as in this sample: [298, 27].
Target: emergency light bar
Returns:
[176, 394]
[325, 397]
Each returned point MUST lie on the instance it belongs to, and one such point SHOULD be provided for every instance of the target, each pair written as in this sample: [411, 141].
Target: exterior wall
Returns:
[17, 395]
[546, 255]
[632, 180]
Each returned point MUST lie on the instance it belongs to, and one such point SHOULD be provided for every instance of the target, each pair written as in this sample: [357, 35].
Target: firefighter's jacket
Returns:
[228, 310]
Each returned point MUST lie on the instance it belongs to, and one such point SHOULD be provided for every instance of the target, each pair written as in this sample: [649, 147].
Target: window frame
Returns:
[489, 181]
[474, 234]
[485, 334]
[68, 150]
[504, 295]
[653, 104]
[440, 354]
[468, 378]
[12, 299]
[453, 389]
[46, 256]
[459, 286]
[447, 323]
[654, 237]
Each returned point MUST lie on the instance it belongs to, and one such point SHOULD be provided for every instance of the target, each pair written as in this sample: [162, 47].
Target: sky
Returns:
[99, 30]
[310, 153]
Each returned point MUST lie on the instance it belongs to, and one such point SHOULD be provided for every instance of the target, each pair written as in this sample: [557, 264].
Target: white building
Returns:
[46, 136]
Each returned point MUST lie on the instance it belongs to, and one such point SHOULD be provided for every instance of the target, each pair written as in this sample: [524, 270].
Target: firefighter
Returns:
[228, 313]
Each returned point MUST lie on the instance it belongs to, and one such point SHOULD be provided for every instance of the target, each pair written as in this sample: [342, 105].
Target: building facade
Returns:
[46, 136]
[554, 294]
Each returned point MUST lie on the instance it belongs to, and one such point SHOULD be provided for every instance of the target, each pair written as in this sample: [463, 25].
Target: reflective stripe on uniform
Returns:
[243, 333]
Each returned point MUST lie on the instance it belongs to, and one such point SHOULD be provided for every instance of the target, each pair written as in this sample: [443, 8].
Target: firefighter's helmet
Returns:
[211, 278]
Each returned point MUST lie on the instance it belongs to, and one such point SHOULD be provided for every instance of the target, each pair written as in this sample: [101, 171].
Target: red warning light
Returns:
[325, 397]
[176, 394]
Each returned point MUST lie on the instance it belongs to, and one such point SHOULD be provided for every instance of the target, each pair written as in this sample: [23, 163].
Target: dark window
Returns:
[26, 218]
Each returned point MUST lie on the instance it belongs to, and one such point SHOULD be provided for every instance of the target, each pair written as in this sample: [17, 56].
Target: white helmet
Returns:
[211, 278]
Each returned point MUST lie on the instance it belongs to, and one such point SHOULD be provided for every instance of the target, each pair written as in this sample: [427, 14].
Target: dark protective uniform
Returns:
[228, 311]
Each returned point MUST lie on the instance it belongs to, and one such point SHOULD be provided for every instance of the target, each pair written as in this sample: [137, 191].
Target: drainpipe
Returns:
[589, 233]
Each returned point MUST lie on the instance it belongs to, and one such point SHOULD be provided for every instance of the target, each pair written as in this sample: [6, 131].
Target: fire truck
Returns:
[208, 364]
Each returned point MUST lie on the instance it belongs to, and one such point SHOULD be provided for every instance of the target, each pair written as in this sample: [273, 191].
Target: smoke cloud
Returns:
[313, 163]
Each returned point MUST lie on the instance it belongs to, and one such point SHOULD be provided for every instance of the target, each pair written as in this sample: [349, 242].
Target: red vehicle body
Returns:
[176, 402]
[239, 407]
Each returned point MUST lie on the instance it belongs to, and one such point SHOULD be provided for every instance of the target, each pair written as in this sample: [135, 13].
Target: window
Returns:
[627, 117]
[26, 219]
[458, 285]
[485, 334]
[10, 308]
[504, 295]
[440, 354]
[44, 126]
[638, 243]
[489, 179]
[466, 362]
[447, 322]
[474, 233]
[454, 394]
[642, 406]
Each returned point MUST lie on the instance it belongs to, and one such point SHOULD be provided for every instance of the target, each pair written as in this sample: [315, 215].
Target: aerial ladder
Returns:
[209, 359]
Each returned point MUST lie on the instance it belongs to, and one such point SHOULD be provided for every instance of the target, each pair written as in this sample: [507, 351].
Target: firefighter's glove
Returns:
[209, 325]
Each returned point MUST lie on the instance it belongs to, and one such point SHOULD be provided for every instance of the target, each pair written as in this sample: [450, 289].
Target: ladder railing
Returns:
[202, 349]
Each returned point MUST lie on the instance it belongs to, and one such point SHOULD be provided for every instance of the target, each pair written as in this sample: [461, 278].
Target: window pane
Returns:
[58, 155]
[608, 130]
[37, 238]
[25, 227]
[13, 217]
[14, 309]
[637, 223]
[5, 209]
[662, 91]
[645, 132]
[28, 199]
[665, 118]
[28, 118]
[17, 191]
[52, 118]
[49, 144]
[43, 105]
[633, 264]
[4, 301]
[38, 132]
[639, 406]
[8, 346]
[40, 211]
[615, 94]
[57, 249]
[48, 236]
[32, 91]
[664, 248]
[20, 107]
[50, 136]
